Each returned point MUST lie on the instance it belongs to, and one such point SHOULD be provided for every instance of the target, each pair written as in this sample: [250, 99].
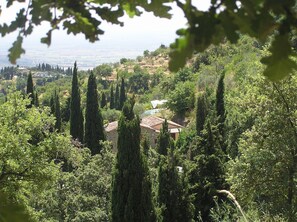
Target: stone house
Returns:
[150, 128]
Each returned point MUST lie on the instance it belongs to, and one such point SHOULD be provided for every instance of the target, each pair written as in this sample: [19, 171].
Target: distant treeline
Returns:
[48, 67]
[8, 72]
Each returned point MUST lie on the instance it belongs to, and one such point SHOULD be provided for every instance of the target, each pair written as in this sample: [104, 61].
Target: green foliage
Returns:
[220, 108]
[30, 89]
[122, 97]
[263, 173]
[76, 117]
[201, 113]
[131, 192]
[103, 70]
[234, 19]
[31, 152]
[206, 175]
[164, 139]
[103, 102]
[58, 123]
[111, 115]
[139, 82]
[65, 110]
[83, 194]
[94, 131]
[182, 98]
[183, 75]
[12, 211]
[112, 98]
[36, 99]
[117, 97]
[174, 201]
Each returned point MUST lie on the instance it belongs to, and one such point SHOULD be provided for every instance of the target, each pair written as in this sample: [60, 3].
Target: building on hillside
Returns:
[150, 128]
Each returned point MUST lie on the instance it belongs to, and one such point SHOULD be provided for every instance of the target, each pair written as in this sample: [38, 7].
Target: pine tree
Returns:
[76, 117]
[103, 100]
[200, 113]
[117, 97]
[30, 90]
[94, 131]
[122, 97]
[111, 104]
[131, 191]
[58, 123]
[163, 139]
[220, 108]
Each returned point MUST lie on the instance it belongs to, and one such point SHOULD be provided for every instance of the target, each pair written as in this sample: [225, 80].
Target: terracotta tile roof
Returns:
[151, 122]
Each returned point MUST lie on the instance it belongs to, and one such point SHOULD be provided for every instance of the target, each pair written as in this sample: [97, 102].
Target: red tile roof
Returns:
[152, 122]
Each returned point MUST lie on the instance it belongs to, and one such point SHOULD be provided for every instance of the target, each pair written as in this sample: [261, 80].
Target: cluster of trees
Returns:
[117, 96]
[241, 138]
[48, 67]
[8, 72]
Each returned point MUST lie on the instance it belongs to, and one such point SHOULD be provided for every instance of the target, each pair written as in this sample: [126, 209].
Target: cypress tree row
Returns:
[94, 130]
[111, 104]
[117, 97]
[200, 113]
[220, 108]
[122, 98]
[30, 90]
[76, 117]
[103, 100]
[131, 191]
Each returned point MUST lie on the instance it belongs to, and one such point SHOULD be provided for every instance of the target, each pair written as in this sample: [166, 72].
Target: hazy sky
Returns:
[138, 33]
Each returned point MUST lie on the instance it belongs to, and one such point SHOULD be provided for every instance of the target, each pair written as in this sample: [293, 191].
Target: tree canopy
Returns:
[223, 20]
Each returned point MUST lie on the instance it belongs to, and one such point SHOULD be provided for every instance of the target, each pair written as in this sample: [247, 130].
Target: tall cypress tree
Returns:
[30, 90]
[131, 191]
[173, 196]
[122, 97]
[58, 123]
[36, 100]
[220, 108]
[94, 130]
[52, 104]
[207, 176]
[111, 104]
[117, 97]
[65, 111]
[76, 117]
[103, 102]
[164, 139]
[200, 113]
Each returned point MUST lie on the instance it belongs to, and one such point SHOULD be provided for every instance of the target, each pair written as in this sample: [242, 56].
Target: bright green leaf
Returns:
[16, 50]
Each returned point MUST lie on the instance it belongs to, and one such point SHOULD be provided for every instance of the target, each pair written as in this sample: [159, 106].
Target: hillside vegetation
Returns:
[235, 159]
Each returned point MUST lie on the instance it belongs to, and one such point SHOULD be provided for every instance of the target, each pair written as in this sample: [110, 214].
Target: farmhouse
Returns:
[150, 128]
